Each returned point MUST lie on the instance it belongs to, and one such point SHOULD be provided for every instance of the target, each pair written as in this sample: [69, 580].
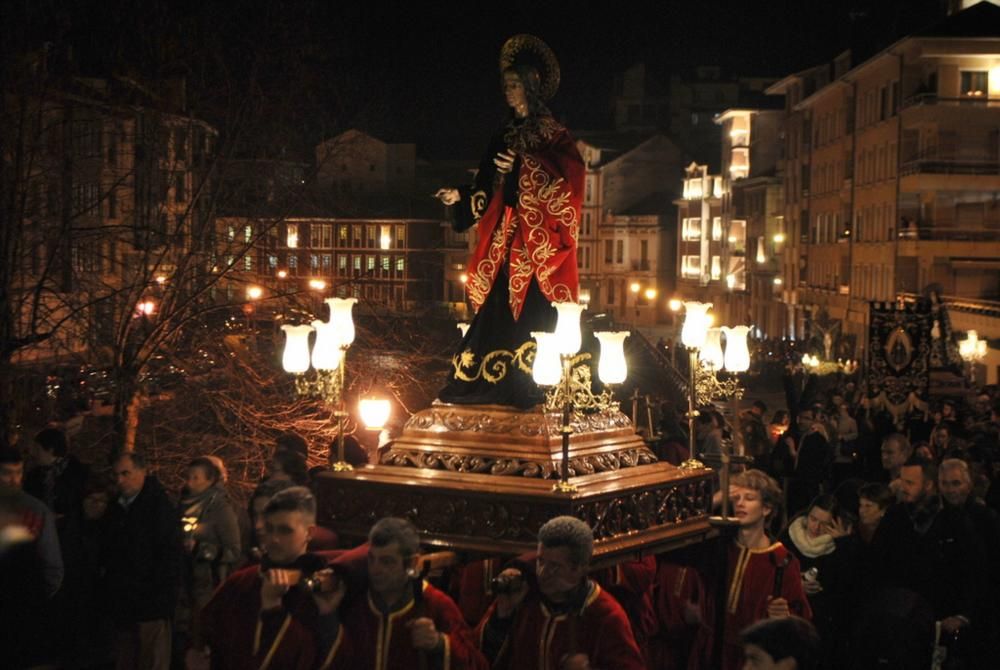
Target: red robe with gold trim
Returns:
[241, 637]
[369, 640]
[540, 640]
[751, 582]
[540, 230]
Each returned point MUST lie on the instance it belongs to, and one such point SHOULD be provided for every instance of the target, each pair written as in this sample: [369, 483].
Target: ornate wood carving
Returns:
[585, 465]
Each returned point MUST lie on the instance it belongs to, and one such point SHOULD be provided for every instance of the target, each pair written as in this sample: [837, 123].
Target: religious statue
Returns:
[525, 201]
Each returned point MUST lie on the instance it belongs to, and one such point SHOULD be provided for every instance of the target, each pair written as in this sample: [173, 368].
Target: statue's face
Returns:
[513, 90]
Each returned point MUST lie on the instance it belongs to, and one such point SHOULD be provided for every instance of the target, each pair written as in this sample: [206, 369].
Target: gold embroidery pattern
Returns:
[481, 278]
[541, 197]
[477, 203]
[530, 135]
[495, 365]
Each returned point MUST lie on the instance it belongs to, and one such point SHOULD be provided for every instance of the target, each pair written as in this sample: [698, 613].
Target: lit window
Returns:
[247, 234]
[400, 264]
[292, 237]
[691, 266]
[247, 263]
[716, 267]
[692, 229]
[975, 83]
[717, 229]
[371, 263]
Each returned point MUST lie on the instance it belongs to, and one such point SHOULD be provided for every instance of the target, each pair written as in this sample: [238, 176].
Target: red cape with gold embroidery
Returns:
[541, 232]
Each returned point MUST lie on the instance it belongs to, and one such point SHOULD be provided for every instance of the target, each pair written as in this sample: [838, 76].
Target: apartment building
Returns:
[728, 252]
[626, 250]
[107, 206]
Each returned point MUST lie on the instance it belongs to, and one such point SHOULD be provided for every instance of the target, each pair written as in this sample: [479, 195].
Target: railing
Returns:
[932, 234]
[964, 101]
[987, 166]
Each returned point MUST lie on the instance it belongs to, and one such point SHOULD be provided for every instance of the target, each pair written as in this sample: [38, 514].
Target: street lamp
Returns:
[254, 293]
[374, 412]
[329, 354]
[553, 349]
[972, 350]
[553, 369]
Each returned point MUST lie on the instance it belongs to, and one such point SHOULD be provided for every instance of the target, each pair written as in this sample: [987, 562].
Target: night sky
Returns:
[428, 74]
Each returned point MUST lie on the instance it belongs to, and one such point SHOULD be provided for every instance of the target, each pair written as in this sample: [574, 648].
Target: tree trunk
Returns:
[126, 418]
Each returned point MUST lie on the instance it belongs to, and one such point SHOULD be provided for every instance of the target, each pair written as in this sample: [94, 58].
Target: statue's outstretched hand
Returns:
[505, 161]
[448, 196]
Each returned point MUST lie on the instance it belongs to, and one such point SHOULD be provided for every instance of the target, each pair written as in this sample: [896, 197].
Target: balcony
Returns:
[932, 99]
[950, 166]
[933, 234]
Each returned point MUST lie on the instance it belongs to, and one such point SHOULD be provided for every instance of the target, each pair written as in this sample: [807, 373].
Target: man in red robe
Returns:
[764, 580]
[398, 621]
[564, 622]
[261, 617]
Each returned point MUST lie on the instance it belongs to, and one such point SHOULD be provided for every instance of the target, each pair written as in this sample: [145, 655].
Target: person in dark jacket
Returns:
[931, 551]
[143, 561]
[58, 478]
[828, 553]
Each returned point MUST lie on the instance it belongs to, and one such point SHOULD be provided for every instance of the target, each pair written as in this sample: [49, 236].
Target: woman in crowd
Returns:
[873, 500]
[211, 542]
[826, 549]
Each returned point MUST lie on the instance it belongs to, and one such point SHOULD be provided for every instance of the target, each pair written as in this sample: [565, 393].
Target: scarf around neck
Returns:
[813, 547]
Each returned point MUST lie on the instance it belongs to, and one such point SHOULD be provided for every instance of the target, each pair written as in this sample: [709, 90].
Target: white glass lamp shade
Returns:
[612, 368]
[567, 333]
[341, 319]
[547, 368]
[711, 349]
[737, 357]
[464, 327]
[374, 412]
[696, 323]
[295, 357]
[326, 349]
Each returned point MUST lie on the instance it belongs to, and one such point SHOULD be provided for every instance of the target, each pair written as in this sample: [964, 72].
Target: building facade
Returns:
[626, 248]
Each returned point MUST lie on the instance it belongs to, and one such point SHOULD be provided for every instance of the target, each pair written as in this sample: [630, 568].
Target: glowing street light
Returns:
[282, 274]
[254, 293]
[146, 308]
[675, 304]
[374, 412]
[317, 284]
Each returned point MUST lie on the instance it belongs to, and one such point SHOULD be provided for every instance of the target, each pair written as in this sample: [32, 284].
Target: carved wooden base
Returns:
[446, 473]
[496, 440]
[638, 510]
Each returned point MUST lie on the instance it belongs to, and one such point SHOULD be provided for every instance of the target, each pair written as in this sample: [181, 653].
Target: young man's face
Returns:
[748, 506]
[387, 569]
[287, 534]
[558, 575]
[11, 475]
[912, 486]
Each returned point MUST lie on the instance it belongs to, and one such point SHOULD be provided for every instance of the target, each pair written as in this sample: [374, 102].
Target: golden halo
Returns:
[528, 47]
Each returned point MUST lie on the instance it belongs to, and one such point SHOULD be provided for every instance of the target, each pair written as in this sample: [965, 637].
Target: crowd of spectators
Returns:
[878, 530]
